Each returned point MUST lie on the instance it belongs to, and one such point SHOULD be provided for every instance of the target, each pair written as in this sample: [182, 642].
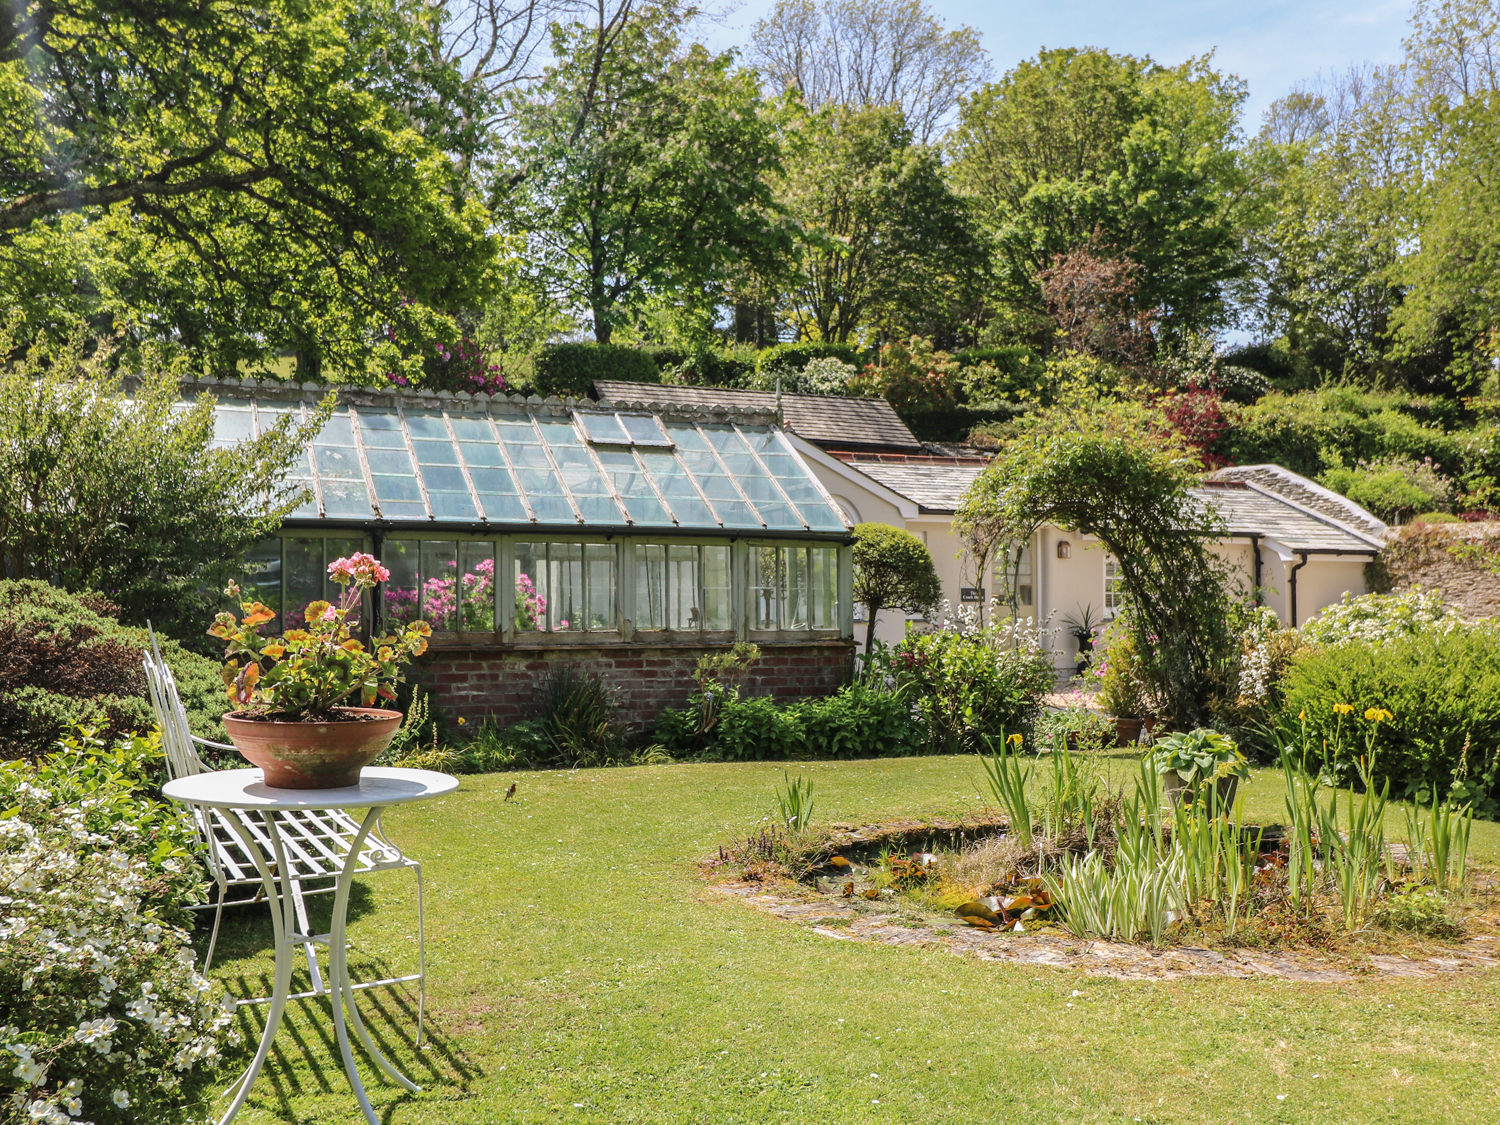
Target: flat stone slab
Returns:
[877, 922]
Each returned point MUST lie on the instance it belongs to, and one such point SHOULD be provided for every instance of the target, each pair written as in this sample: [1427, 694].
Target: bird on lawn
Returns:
[511, 792]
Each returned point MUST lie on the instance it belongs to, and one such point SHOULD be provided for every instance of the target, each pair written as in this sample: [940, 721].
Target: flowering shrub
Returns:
[313, 670]
[1381, 617]
[1123, 688]
[531, 606]
[966, 681]
[100, 1007]
[466, 603]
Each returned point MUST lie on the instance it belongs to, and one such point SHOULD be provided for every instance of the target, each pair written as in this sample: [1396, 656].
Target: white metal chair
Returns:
[316, 845]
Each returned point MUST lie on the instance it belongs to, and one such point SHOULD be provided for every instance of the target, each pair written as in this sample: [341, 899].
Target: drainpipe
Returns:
[1291, 581]
[1255, 546]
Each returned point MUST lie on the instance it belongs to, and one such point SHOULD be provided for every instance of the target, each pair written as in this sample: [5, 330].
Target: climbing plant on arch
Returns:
[1114, 470]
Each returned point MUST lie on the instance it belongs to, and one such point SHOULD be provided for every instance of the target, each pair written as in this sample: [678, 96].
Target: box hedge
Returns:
[799, 355]
[569, 370]
[65, 660]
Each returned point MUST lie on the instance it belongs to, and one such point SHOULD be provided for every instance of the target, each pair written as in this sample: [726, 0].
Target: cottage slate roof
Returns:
[936, 484]
[1307, 495]
[825, 420]
[1253, 511]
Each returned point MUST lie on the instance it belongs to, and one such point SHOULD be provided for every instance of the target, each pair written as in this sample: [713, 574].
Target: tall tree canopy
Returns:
[867, 53]
[641, 169]
[1084, 144]
[238, 176]
[882, 241]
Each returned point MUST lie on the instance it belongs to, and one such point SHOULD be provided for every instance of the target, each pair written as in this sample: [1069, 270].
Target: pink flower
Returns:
[361, 569]
[330, 614]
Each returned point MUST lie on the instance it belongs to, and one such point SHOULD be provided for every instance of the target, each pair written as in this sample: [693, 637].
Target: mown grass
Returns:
[581, 971]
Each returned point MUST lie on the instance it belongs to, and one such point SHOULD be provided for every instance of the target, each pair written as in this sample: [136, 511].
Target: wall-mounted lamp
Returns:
[1065, 550]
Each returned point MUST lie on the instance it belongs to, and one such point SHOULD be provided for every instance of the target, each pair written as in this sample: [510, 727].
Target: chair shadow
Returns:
[307, 1033]
[246, 928]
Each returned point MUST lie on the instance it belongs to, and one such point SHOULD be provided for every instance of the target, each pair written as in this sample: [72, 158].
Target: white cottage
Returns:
[1300, 544]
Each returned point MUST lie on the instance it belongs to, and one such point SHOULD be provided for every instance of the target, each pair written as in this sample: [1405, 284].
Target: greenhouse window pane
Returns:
[440, 584]
[796, 588]
[644, 429]
[603, 428]
[445, 478]
[650, 586]
[486, 454]
[427, 424]
[468, 428]
[686, 436]
[598, 509]
[716, 587]
[634, 489]
[303, 566]
[381, 430]
[779, 515]
[337, 461]
[736, 513]
[530, 586]
[529, 457]
[499, 506]
[824, 587]
[683, 612]
[600, 583]
[565, 586]
[300, 472]
[767, 588]
[820, 517]
[399, 556]
[435, 452]
[261, 579]
[477, 609]
[517, 431]
[552, 509]
[558, 433]
[389, 462]
[232, 425]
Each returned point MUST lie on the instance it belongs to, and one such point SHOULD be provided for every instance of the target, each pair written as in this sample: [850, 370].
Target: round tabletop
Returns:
[247, 789]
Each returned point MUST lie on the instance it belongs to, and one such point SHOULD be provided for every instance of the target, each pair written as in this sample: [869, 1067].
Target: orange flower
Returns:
[420, 629]
[275, 652]
[296, 635]
[354, 645]
[259, 615]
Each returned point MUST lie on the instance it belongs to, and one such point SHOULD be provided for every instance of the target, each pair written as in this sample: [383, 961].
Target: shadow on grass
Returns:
[246, 929]
[305, 1059]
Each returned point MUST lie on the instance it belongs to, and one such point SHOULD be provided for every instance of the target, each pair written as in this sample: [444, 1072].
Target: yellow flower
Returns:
[1016, 739]
[462, 720]
[1377, 715]
[1302, 716]
[1342, 708]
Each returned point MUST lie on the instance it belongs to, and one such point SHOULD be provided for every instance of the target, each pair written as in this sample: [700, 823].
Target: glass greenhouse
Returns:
[513, 522]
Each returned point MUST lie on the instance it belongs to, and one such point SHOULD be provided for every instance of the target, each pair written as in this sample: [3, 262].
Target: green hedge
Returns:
[569, 370]
[1442, 690]
[954, 423]
[798, 356]
[729, 367]
[65, 660]
[855, 722]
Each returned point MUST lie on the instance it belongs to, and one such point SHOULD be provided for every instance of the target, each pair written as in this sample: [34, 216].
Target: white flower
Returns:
[121, 1099]
[29, 1072]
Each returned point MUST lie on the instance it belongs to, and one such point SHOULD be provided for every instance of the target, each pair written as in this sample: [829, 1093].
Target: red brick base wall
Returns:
[645, 680]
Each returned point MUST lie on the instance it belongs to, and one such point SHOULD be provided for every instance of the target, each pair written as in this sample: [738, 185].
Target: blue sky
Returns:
[1270, 45]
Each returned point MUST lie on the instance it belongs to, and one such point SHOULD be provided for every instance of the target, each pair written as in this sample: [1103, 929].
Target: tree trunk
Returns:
[870, 628]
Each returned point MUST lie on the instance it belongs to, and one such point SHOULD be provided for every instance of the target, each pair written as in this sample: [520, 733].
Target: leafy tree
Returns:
[882, 241]
[1113, 470]
[1076, 142]
[130, 497]
[892, 570]
[640, 170]
[865, 53]
[239, 177]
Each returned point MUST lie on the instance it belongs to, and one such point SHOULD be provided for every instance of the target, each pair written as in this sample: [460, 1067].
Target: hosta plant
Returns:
[1199, 755]
[313, 670]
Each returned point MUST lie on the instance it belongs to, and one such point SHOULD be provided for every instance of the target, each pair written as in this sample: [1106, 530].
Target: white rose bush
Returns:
[103, 1018]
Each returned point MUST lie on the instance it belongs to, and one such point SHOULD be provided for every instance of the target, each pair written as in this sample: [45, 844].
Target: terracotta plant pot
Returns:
[314, 755]
[1128, 730]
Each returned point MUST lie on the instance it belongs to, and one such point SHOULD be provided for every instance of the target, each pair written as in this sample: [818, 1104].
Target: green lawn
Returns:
[580, 971]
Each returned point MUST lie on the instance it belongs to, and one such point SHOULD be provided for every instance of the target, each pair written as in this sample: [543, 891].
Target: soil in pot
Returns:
[313, 752]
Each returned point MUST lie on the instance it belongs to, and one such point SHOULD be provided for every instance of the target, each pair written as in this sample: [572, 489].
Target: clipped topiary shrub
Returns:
[797, 356]
[569, 370]
[65, 661]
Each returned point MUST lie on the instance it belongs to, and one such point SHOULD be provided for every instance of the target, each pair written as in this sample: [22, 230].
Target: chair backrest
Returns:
[176, 735]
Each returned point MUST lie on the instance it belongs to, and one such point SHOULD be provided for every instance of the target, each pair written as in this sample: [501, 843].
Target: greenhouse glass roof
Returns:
[491, 462]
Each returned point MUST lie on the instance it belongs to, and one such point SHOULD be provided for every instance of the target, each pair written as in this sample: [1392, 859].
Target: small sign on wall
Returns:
[971, 594]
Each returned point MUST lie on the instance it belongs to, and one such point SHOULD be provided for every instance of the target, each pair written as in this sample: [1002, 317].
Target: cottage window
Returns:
[1114, 587]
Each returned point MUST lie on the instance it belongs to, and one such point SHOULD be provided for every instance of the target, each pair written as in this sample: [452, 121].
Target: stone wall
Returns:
[1457, 558]
[490, 684]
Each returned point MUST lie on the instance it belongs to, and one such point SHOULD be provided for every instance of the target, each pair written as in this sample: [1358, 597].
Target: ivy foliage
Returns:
[1113, 470]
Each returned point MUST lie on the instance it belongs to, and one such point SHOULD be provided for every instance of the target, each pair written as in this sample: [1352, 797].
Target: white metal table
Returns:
[246, 789]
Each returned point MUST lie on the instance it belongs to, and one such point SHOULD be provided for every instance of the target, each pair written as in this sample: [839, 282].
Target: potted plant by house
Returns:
[1122, 691]
[1194, 763]
[307, 713]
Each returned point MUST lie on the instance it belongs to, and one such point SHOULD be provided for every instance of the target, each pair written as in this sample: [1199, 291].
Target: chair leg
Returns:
[421, 959]
[299, 905]
[213, 941]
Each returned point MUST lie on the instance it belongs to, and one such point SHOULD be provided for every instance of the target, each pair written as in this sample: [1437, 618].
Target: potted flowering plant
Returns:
[306, 699]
